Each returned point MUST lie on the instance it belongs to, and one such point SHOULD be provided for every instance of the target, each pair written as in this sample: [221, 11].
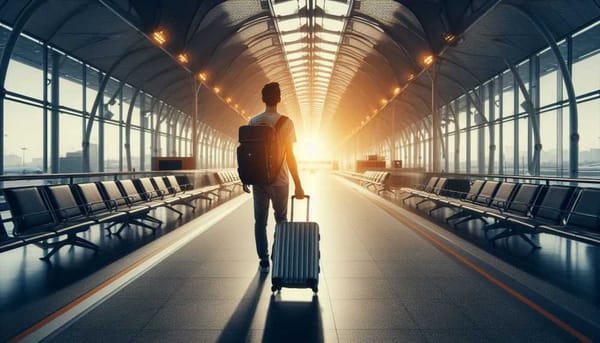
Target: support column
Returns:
[55, 114]
[468, 129]
[45, 109]
[101, 124]
[500, 87]
[491, 116]
[196, 88]
[435, 124]
[143, 124]
[121, 130]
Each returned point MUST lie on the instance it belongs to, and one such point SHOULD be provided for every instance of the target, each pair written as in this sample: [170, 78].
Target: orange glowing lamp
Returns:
[159, 36]
[428, 60]
[183, 58]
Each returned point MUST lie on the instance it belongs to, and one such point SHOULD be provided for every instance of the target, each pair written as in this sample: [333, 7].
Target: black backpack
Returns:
[261, 153]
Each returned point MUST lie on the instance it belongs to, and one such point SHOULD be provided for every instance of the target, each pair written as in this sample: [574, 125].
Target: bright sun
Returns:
[311, 150]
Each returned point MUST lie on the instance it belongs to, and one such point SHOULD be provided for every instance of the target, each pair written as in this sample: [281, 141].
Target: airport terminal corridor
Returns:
[450, 149]
[380, 281]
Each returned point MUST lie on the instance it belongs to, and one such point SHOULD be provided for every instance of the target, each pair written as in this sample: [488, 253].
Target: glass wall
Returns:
[59, 111]
[496, 114]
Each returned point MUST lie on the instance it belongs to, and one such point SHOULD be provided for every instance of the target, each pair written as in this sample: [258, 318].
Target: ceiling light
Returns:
[217, 90]
[411, 77]
[228, 100]
[183, 57]
[449, 38]
[428, 60]
[396, 90]
[236, 106]
[368, 117]
[202, 76]
[159, 36]
[384, 101]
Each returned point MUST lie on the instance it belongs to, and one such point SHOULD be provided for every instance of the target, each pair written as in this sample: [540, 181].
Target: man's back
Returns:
[287, 136]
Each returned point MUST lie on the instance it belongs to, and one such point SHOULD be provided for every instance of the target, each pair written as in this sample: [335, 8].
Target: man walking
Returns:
[278, 191]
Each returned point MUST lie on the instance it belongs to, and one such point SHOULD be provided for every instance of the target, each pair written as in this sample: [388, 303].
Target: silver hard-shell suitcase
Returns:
[296, 254]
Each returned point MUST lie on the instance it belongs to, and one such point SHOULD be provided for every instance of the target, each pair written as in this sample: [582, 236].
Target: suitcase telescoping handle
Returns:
[307, 206]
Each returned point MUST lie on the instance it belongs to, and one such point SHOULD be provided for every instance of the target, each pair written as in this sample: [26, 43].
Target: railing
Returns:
[415, 177]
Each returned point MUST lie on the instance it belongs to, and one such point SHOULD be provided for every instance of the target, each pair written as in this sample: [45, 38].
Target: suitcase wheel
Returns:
[315, 289]
[275, 289]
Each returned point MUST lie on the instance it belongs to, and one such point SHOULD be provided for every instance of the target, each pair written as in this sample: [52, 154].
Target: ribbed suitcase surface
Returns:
[296, 255]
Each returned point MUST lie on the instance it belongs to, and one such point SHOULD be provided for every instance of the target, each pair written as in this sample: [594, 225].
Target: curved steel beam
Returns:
[548, 36]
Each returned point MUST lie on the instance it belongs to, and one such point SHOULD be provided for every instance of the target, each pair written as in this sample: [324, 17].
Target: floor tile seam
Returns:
[329, 300]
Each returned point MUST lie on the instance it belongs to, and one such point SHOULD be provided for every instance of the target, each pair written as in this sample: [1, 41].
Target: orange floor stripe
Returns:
[410, 224]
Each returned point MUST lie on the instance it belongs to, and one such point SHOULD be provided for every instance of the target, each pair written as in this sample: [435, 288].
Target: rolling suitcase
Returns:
[296, 254]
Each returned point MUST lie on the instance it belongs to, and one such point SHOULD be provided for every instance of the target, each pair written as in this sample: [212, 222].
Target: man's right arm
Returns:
[293, 166]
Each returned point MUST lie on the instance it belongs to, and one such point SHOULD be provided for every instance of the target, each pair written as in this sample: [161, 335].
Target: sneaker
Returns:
[264, 266]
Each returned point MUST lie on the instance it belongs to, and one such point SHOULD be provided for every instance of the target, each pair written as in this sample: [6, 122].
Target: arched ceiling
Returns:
[339, 62]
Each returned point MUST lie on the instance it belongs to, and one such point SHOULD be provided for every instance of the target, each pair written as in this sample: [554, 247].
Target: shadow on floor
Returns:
[293, 321]
[238, 326]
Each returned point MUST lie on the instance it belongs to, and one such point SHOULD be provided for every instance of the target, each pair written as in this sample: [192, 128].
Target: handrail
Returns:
[72, 176]
[504, 177]
[545, 179]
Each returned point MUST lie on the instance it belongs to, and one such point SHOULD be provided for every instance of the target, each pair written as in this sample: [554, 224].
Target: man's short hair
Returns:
[271, 94]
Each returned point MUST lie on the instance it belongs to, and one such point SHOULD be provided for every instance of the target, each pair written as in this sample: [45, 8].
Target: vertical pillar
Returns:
[516, 152]
[83, 106]
[491, 116]
[499, 88]
[143, 125]
[45, 109]
[435, 124]
[456, 136]
[468, 128]
[55, 114]
[573, 115]
[559, 126]
[121, 130]
[195, 88]
[481, 132]
[446, 138]
[101, 125]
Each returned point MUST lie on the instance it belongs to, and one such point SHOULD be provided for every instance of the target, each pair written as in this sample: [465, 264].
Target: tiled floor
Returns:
[31, 289]
[380, 282]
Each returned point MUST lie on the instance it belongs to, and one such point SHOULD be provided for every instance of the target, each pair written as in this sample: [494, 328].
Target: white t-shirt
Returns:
[287, 134]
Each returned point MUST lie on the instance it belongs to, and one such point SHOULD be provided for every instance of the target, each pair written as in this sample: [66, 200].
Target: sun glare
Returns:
[311, 150]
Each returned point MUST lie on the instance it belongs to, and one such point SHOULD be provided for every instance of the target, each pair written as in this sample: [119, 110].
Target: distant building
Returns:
[73, 161]
[12, 160]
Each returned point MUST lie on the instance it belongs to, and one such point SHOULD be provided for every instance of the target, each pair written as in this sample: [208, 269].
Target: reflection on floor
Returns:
[31, 289]
[570, 265]
[380, 281]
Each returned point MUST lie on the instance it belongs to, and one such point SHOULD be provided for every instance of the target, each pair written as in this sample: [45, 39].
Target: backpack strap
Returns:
[280, 123]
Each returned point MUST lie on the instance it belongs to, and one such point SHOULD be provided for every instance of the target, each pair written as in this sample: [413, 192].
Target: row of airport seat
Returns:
[375, 180]
[41, 215]
[518, 208]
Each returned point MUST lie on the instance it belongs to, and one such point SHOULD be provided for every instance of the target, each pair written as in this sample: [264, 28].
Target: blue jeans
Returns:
[278, 195]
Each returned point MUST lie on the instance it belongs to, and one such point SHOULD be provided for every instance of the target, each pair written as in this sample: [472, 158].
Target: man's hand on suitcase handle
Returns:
[245, 188]
[299, 193]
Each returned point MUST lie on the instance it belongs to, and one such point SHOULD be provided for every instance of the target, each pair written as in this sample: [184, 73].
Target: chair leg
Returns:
[179, 213]
[465, 219]
[144, 225]
[494, 226]
[189, 205]
[72, 240]
[528, 240]
[436, 207]
[457, 215]
[152, 219]
[504, 234]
